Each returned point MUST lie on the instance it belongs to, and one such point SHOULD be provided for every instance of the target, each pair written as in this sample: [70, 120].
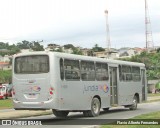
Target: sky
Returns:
[78, 22]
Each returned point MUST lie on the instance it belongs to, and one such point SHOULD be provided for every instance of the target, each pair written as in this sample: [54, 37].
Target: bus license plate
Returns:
[31, 95]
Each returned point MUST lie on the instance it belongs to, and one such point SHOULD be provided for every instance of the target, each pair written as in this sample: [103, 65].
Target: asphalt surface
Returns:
[113, 113]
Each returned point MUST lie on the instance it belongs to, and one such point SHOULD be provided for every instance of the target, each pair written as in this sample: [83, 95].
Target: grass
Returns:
[151, 101]
[153, 115]
[130, 126]
[153, 94]
[5, 104]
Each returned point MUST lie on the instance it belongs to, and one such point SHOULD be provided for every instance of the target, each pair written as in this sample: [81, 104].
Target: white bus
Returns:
[66, 82]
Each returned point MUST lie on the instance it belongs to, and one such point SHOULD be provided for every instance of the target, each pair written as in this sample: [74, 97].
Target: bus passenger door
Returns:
[113, 86]
[144, 92]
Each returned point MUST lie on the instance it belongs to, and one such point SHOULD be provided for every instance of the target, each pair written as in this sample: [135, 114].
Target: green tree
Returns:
[67, 46]
[24, 44]
[158, 50]
[96, 48]
[6, 49]
[4, 45]
[36, 46]
[77, 51]
[59, 50]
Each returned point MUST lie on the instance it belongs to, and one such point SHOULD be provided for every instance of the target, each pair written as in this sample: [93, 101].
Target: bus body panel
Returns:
[127, 90]
[30, 89]
[78, 95]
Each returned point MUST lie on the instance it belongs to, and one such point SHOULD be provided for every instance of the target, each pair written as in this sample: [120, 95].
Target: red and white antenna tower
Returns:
[149, 38]
[107, 34]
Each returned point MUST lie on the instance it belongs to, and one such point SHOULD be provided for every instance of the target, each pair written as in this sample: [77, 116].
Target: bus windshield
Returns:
[32, 64]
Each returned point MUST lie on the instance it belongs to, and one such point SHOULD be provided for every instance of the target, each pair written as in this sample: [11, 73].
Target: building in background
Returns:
[5, 66]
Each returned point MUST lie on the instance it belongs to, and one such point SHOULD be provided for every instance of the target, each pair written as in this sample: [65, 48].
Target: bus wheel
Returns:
[95, 108]
[105, 109]
[134, 105]
[61, 114]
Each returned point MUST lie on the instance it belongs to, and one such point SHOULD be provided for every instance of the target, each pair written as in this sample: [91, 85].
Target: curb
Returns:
[22, 114]
[94, 126]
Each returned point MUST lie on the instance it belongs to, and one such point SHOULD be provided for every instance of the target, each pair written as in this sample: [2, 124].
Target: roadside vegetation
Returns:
[7, 49]
[153, 115]
[5, 76]
[5, 104]
[153, 94]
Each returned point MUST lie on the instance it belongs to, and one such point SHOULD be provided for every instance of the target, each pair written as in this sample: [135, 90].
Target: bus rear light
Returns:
[51, 91]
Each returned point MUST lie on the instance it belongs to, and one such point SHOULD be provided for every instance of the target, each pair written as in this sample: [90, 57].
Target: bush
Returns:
[5, 76]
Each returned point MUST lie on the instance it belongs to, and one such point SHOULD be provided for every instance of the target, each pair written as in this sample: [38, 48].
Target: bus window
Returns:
[126, 73]
[101, 71]
[32, 64]
[120, 72]
[87, 71]
[72, 71]
[61, 69]
[136, 73]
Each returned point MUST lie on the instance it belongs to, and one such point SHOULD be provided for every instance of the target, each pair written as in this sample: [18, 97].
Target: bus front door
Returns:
[113, 86]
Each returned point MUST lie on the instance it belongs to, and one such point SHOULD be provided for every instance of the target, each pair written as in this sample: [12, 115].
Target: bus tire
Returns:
[61, 114]
[95, 108]
[134, 105]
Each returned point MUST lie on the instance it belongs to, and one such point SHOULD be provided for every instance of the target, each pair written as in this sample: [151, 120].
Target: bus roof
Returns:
[81, 57]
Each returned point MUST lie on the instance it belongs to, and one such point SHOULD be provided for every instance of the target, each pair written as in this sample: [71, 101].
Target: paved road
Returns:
[114, 113]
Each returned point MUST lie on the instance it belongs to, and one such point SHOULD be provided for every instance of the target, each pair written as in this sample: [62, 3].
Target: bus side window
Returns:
[126, 73]
[136, 73]
[87, 71]
[61, 69]
[120, 73]
[101, 71]
[72, 70]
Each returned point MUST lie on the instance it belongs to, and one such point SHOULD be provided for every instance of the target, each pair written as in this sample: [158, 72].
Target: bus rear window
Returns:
[32, 64]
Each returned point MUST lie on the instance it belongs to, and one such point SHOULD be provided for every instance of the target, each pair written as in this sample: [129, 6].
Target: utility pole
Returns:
[148, 31]
[107, 34]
